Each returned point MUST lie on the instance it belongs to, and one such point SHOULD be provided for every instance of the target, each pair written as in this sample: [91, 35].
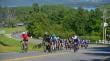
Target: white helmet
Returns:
[24, 33]
[46, 32]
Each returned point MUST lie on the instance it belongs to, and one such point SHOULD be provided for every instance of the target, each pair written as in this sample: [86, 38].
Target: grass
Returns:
[8, 44]
[14, 29]
[12, 45]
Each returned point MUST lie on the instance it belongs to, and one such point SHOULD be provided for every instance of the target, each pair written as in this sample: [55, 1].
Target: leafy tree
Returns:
[35, 7]
[37, 24]
[60, 20]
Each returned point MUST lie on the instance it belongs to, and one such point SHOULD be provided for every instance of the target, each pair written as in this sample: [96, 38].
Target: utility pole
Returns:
[105, 28]
[103, 25]
[8, 15]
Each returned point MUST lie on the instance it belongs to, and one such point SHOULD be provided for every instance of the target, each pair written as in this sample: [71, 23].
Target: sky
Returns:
[13, 3]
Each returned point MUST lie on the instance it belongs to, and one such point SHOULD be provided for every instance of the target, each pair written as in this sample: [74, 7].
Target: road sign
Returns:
[105, 24]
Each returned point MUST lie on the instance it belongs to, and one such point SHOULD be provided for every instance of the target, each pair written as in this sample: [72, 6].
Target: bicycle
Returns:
[75, 47]
[24, 47]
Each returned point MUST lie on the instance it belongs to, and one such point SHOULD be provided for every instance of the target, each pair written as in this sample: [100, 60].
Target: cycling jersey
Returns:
[24, 37]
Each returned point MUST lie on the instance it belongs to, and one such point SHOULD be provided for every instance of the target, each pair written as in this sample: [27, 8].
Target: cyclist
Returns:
[46, 42]
[75, 42]
[24, 41]
[86, 44]
[53, 39]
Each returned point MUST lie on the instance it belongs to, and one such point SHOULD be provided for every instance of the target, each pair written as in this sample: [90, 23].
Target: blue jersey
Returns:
[53, 38]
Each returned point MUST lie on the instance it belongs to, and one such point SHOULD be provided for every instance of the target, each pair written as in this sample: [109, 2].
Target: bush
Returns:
[92, 38]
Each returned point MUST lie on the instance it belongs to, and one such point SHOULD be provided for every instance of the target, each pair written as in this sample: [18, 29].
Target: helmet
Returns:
[46, 33]
[24, 33]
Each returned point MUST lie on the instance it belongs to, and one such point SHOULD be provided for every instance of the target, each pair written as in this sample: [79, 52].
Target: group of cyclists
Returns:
[53, 43]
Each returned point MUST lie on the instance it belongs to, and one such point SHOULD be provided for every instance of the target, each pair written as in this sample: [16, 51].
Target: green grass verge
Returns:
[12, 45]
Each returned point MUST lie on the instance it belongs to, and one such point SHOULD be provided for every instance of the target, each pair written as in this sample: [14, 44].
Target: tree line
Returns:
[61, 20]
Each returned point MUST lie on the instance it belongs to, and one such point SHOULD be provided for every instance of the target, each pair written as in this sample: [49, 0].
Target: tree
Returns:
[35, 7]
[37, 24]
[81, 20]
[62, 20]
[94, 22]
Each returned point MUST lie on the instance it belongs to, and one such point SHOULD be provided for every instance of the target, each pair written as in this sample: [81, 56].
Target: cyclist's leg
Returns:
[25, 46]
[49, 47]
[86, 45]
[46, 46]
[22, 46]
[75, 47]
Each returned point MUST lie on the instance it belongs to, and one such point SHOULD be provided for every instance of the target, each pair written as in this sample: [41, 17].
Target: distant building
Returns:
[19, 24]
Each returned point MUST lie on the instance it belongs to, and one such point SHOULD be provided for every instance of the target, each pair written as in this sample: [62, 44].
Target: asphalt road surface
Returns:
[93, 53]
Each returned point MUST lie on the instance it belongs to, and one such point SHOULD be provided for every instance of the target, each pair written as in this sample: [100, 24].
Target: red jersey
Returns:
[24, 37]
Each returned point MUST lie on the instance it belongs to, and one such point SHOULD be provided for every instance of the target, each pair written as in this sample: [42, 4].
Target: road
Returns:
[93, 53]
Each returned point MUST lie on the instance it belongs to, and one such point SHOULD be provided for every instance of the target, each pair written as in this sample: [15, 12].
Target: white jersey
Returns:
[75, 37]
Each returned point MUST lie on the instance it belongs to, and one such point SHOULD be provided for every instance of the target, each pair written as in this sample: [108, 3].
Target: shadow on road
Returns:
[107, 59]
[92, 60]
[103, 49]
[99, 51]
[96, 60]
[99, 54]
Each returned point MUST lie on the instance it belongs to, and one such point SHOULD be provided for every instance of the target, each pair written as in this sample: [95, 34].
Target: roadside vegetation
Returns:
[12, 45]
